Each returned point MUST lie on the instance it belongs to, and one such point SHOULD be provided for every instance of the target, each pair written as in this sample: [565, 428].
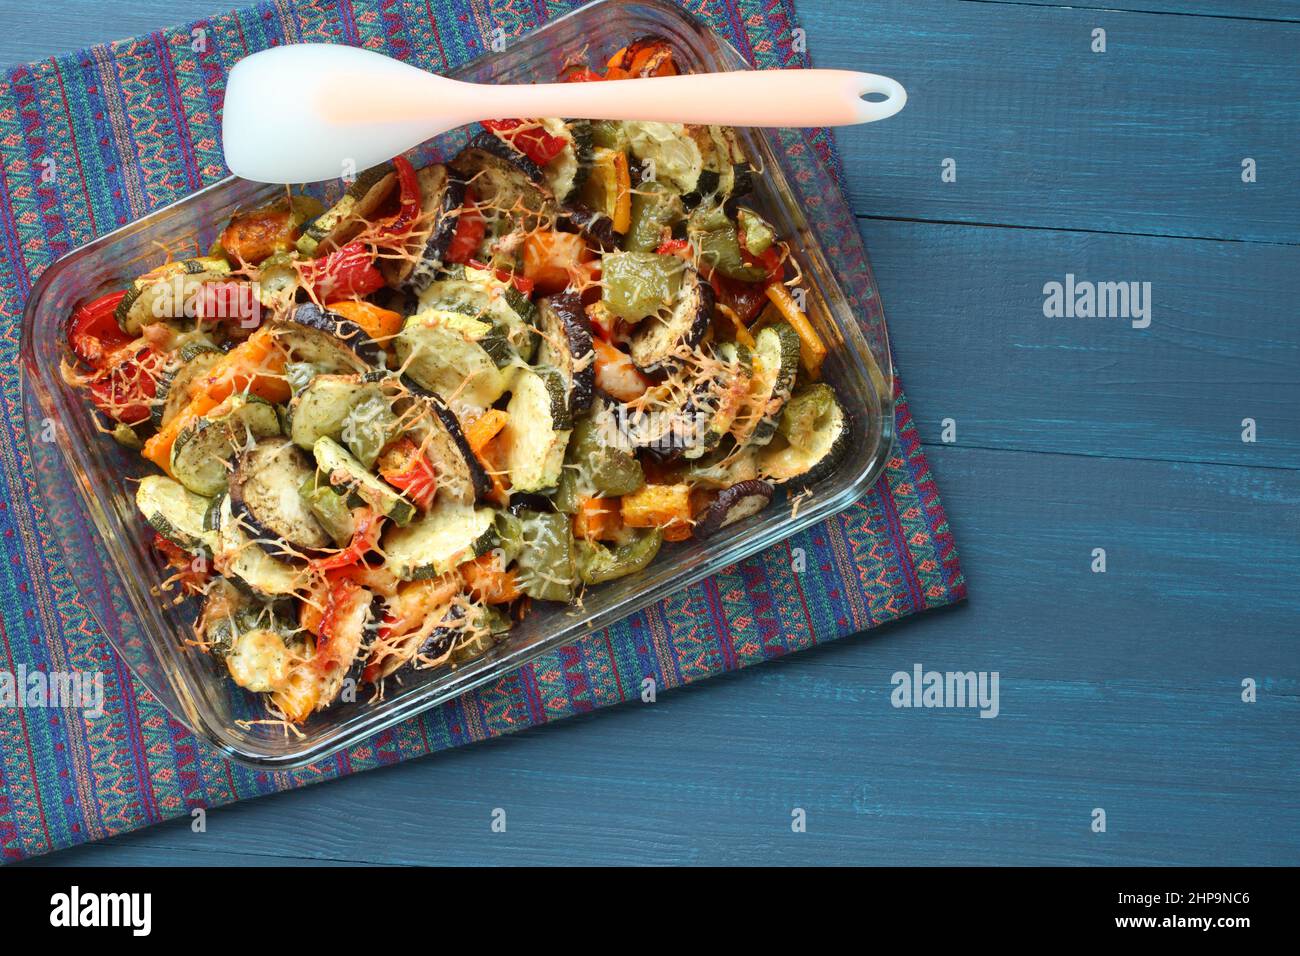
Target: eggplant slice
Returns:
[733, 504]
[264, 495]
[461, 476]
[656, 343]
[503, 178]
[442, 197]
[596, 227]
[328, 341]
[566, 344]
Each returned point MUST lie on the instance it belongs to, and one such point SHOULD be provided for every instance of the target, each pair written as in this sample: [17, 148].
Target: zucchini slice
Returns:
[170, 296]
[175, 513]
[673, 151]
[534, 439]
[201, 450]
[461, 476]
[657, 343]
[481, 294]
[504, 179]
[733, 504]
[441, 351]
[816, 432]
[565, 333]
[237, 554]
[337, 468]
[173, 392]
[323, 406]
[264, 494]
[775, 364]
[259, 660]
[561, 173]
[327, 340]
[336, 225]
[440, 540]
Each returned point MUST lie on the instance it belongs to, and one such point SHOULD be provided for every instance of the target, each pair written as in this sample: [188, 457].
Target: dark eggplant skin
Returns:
[734, 504]
[444, 635]
[492, 144]
[596, 227]
[480, 480]
[264, 535]
[563, 317]
[346, 332]
[530, 502]
[439, 239]
[697, 303]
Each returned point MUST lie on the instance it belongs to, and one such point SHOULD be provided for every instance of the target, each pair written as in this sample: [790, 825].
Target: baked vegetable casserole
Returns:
[383, 429]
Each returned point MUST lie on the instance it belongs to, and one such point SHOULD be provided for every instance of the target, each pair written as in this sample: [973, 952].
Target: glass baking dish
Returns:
[85, 477]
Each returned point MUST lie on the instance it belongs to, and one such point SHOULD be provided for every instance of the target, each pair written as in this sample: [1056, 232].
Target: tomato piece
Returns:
[582, 75]
[93, 332]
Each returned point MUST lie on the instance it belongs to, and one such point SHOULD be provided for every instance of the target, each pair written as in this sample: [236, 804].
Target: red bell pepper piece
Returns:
[364, 539]
[470, 230]
[675, 247]
[125, 392]
[583, 75]
[344, 273]
[529, 138]
[409, 470]
[229, 301]
[408, 200]
[93, 332]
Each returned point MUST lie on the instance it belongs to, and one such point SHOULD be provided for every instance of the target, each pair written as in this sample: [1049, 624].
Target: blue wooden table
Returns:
[1164, 150]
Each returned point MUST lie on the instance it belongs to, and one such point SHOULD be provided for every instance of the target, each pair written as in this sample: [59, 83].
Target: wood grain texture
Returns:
[1222, 345]
[1145, 138]
[1118, 690]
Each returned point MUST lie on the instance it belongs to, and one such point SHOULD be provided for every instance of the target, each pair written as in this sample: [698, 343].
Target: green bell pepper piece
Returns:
[638, 284]
[654, 206]
[597, 563]
[546, 564]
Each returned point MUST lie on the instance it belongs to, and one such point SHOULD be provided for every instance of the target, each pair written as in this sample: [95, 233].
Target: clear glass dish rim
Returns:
[383, 716]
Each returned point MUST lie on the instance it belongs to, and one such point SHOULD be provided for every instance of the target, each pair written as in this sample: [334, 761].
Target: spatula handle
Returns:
[798, 98]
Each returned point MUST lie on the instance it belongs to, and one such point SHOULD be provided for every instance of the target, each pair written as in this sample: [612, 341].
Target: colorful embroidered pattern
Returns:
[134, 125]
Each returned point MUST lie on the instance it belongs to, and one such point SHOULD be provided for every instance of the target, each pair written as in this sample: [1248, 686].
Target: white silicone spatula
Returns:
[315, 111]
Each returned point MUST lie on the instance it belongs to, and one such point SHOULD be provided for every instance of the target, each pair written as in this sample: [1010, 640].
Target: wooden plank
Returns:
[51, 29]
[1222, 344]
[1237, 9]
[1118, 690]
[1146, 138]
